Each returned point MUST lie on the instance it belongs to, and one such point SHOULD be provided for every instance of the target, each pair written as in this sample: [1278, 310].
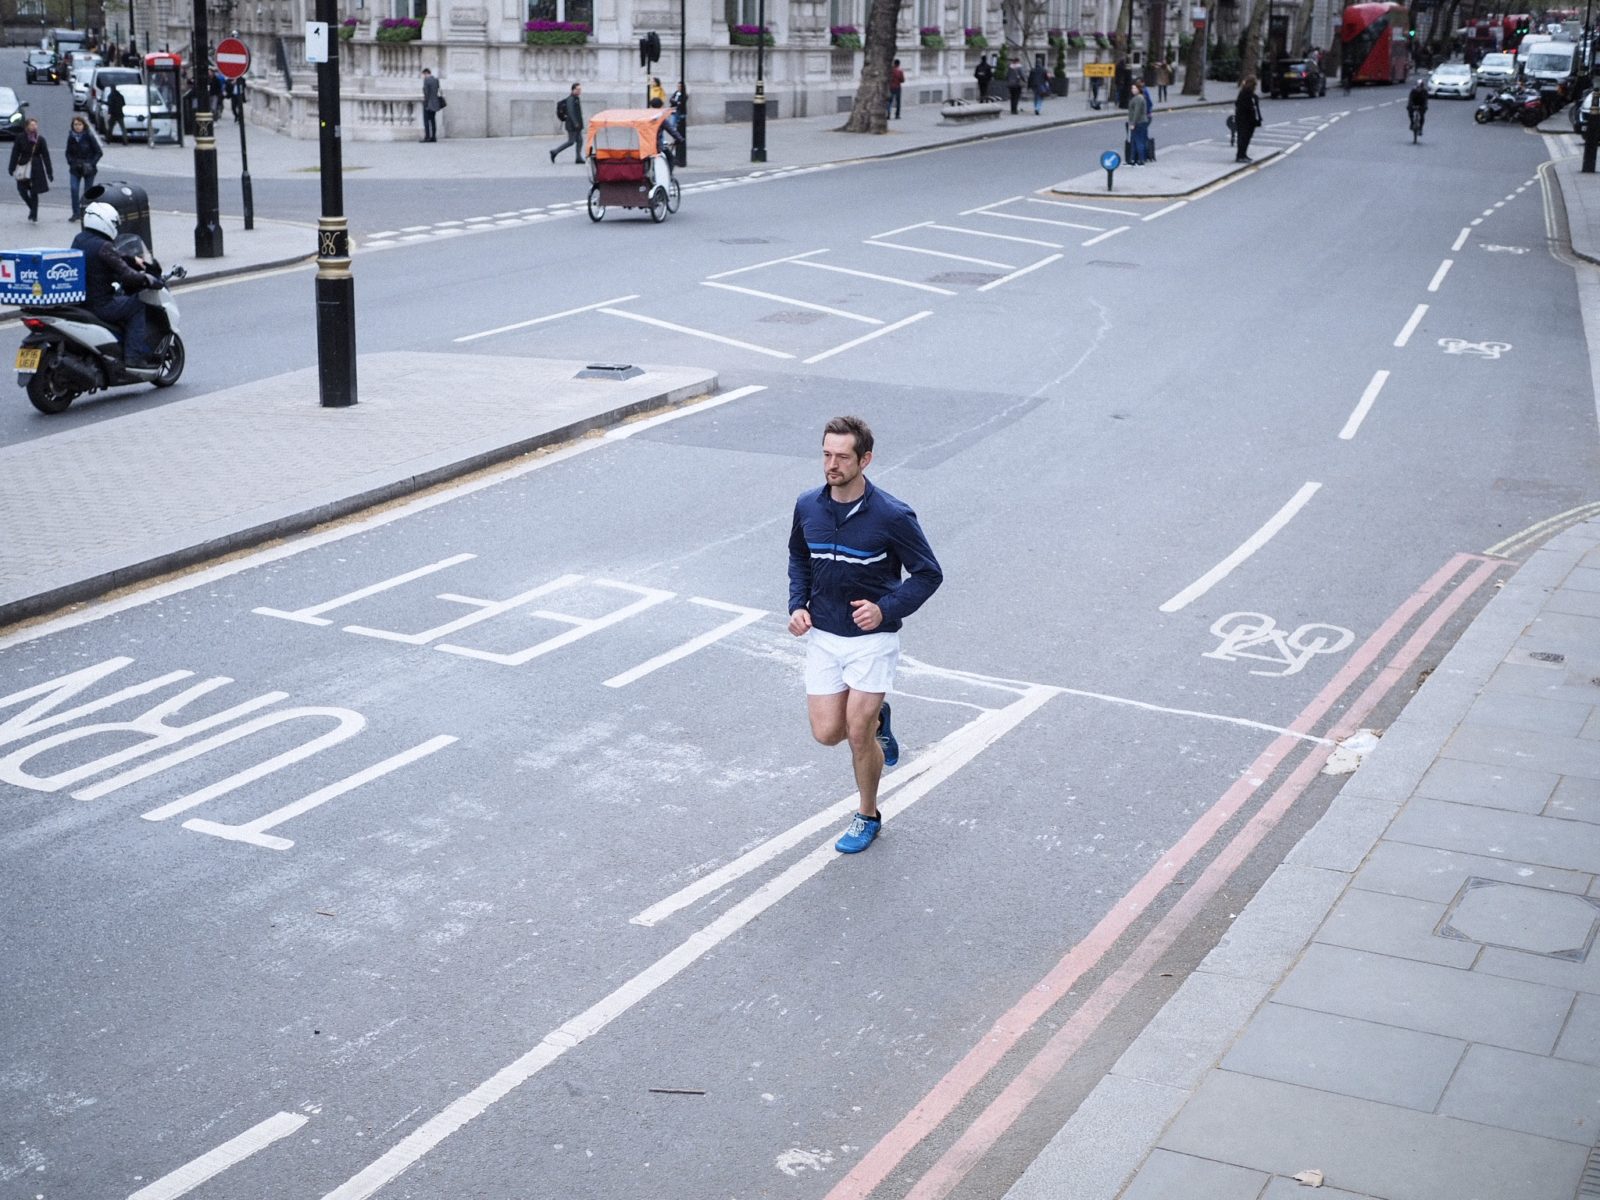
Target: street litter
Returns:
[1350, 752]
[1310, 1178]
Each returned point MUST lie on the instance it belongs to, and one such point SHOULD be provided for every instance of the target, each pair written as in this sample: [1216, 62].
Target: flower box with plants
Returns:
[399, 29]
[932, 37]
[347, 28]
[1055, 37]
[555, 33]
[750, 35]
[844, 37]
[975, 39]
[1074, 39]
[1102, 40]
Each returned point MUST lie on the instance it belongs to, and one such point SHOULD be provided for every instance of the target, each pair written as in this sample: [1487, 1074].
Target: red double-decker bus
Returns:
[1374, 38]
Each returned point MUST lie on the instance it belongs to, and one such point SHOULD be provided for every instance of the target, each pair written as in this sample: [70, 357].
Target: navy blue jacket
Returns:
[834, 560]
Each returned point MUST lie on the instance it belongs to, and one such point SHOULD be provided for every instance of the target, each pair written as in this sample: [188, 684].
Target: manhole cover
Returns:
[791, 317]
[973, 277]
[745, 241]
[1547, 656]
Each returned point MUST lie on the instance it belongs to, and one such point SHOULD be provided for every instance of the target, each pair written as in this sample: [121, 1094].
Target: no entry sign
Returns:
[233, 58]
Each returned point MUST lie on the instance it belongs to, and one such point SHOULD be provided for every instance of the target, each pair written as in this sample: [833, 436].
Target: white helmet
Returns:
[102, 218]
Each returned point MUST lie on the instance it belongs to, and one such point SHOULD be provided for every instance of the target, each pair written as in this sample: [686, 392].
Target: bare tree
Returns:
[870, 113]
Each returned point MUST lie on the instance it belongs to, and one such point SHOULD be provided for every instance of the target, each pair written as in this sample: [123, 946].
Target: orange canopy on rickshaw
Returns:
[625, 133]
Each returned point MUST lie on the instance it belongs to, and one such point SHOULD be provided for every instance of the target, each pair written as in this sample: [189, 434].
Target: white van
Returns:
[1548, 63]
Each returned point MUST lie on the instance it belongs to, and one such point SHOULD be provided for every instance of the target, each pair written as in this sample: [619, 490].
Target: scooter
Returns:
[1512, 104]
[70, 351]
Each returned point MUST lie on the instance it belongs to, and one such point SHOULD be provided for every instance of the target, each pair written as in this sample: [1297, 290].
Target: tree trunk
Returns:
[1250, 56]
[870, 114]
[1194, 69]
[1302, 44]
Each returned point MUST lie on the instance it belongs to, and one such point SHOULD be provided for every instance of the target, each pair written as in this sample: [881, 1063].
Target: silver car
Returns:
[1453, 79]
[1497, 70]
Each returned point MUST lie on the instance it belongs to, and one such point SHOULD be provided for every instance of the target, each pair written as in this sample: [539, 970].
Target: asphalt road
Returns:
[1195, 475]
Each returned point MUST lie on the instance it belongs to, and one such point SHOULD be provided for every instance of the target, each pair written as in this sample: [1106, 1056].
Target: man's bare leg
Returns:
[861, 723]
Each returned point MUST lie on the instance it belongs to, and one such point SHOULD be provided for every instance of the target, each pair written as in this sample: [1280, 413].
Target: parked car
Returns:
[100, 85]
[1579, 113]
[135, 109]
[1453, 79]
[1497, 70]
[81, 63]
[1297, 75]
[42, 67]
[13, 113]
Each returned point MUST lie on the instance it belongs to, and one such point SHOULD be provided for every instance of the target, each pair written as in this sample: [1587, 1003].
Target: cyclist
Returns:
[1417, 105]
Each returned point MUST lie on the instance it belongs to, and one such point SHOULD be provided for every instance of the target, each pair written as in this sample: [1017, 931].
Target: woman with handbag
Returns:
[83, 161]
[31, 167]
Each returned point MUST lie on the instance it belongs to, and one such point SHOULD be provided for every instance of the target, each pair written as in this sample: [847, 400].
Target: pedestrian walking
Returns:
[1014, 81]
[847, 547]
[1038, 84]
[1138, 126]
[236, 100]
[216, 84]
[897, 80]
[984, 74]
[1094, 86]
[432, 102]
[679, 102]
[569, 112]
[1163, 79]
[115, 103]
[1246, 116]
[83, 161]
[31, 167]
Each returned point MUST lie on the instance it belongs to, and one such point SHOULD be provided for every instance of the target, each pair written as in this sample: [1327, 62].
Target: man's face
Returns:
[841, 466]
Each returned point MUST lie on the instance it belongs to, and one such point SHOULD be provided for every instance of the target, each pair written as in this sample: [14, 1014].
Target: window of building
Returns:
[556, 10]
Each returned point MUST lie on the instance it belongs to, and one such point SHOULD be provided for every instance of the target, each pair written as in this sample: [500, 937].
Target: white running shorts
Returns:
[864, 663]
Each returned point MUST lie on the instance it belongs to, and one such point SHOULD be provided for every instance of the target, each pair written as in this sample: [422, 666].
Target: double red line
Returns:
[979, 1062]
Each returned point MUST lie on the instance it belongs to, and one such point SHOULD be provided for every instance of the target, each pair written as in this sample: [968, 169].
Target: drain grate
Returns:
[792, 317]
[1589, 1185]
[1112, 262]
[973, 277]
[1548, 656]
[745, 241]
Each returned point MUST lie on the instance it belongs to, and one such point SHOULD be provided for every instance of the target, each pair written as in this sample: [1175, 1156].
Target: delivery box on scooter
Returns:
[42, 276]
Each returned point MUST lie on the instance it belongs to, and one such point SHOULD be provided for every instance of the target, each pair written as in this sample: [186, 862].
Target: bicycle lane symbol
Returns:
[1256, 636]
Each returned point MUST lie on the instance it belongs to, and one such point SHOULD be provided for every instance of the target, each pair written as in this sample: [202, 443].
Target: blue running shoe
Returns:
[860, 834]
[886, 738]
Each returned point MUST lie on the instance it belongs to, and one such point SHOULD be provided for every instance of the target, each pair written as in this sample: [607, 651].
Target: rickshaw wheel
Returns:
[596, 208]
[658, 205]
[674, 195]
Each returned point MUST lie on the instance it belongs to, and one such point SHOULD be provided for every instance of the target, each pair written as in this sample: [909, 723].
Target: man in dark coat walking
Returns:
[430, 106]
[570, 111]
[1246, 116]
[984, 74]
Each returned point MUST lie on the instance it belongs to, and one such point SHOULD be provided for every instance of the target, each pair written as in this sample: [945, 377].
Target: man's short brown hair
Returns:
[856, 428]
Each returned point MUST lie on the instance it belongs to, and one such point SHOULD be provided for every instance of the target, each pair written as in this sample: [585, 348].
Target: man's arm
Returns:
[924, 574]
[799, 577]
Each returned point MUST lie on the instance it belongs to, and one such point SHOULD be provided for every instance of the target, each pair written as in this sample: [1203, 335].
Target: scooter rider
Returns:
[104, 266]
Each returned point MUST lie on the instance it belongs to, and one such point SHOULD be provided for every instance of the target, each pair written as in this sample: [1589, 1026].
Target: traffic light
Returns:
[649, 49]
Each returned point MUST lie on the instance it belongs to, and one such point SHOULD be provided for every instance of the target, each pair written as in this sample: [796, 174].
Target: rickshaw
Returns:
[627, 168]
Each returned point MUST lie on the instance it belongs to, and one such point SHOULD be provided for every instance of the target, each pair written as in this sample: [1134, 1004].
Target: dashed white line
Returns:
[472, 337]
[1115, 212]
[415, 228]
[891, 279]
[978, 262]
[1040, 220]
[771, 262]
[1363, 405]
[1438, 276]
[1475, 221]
[903, 229]
[1461, 240]
[1005, 279]
[1410, 326]
[1161, 212]
[1110, 233]
[692, 332]
[791, 301]
[985, 207]
[213, 1162]
[867, 337]
[1248, 547]
[1001, 237]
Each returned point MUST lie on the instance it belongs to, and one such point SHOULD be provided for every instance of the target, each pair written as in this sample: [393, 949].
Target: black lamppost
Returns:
[683, 82]
[208, 221]
[758, 110]
[335, 285]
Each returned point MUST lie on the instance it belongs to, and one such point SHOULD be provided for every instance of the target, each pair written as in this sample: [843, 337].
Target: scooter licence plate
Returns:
[28, 358]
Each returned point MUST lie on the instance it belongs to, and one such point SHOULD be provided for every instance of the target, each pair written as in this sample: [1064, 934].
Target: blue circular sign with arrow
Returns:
[1110, 160]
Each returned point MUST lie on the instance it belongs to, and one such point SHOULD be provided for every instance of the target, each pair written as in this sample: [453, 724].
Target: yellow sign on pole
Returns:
[1099, 70]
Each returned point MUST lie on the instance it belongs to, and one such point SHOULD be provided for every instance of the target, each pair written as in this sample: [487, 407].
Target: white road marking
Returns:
[1363, 405]
[312, 614]
[1488, 212]
[582, 626]
[1438, 276]
[699, 333]
[1161, 212]
[425, 228]
[748, 616]
[791, 301]
[1243, 722]
[1116, 212]
[999, 237]
[633, 427]
[1476, 221]
[979, 262]
[1310, 135]
[921, 287]
[1110, 233]
[213, 1162]
[486, 610]
[1248, 547]
[986, 207]
[1461, 240]
[1411, 324]
[903, 229]
[867, 337]
[999, 216]
[472, 337]
[771, 262]
[1004, 279]
[410, 1149]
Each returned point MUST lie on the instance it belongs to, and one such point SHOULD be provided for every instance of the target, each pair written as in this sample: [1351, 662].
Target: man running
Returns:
[846, 550]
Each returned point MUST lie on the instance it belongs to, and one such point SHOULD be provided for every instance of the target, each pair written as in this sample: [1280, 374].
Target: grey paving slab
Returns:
[1520, 747]
[1561, 631]
[1543, 841]
[1344, 1055]
[1292, 1189]
[1586, 578]
[1179, 171]
[1575, 600]
[1591, 727]
[1531, 920]
[1582, 977]
[1470, 1005]
[1487, 784]
[1530, 712]
[1575, 799]
[1370, 1148]
[1580, 1040]
[1103, 1144]
[1166, 1175]
[1427, 873]
[1342, 839]
[1265, 939]
[1546, 1096]
[1393, 770]
[73, 497]
[1192, 1030]
[1394, 925]
[1561, 682]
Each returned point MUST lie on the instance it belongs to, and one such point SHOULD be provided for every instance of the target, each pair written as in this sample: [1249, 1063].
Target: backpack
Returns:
[561, 110]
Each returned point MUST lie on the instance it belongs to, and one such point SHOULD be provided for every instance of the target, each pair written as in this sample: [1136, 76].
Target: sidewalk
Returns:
[1409, 1008]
